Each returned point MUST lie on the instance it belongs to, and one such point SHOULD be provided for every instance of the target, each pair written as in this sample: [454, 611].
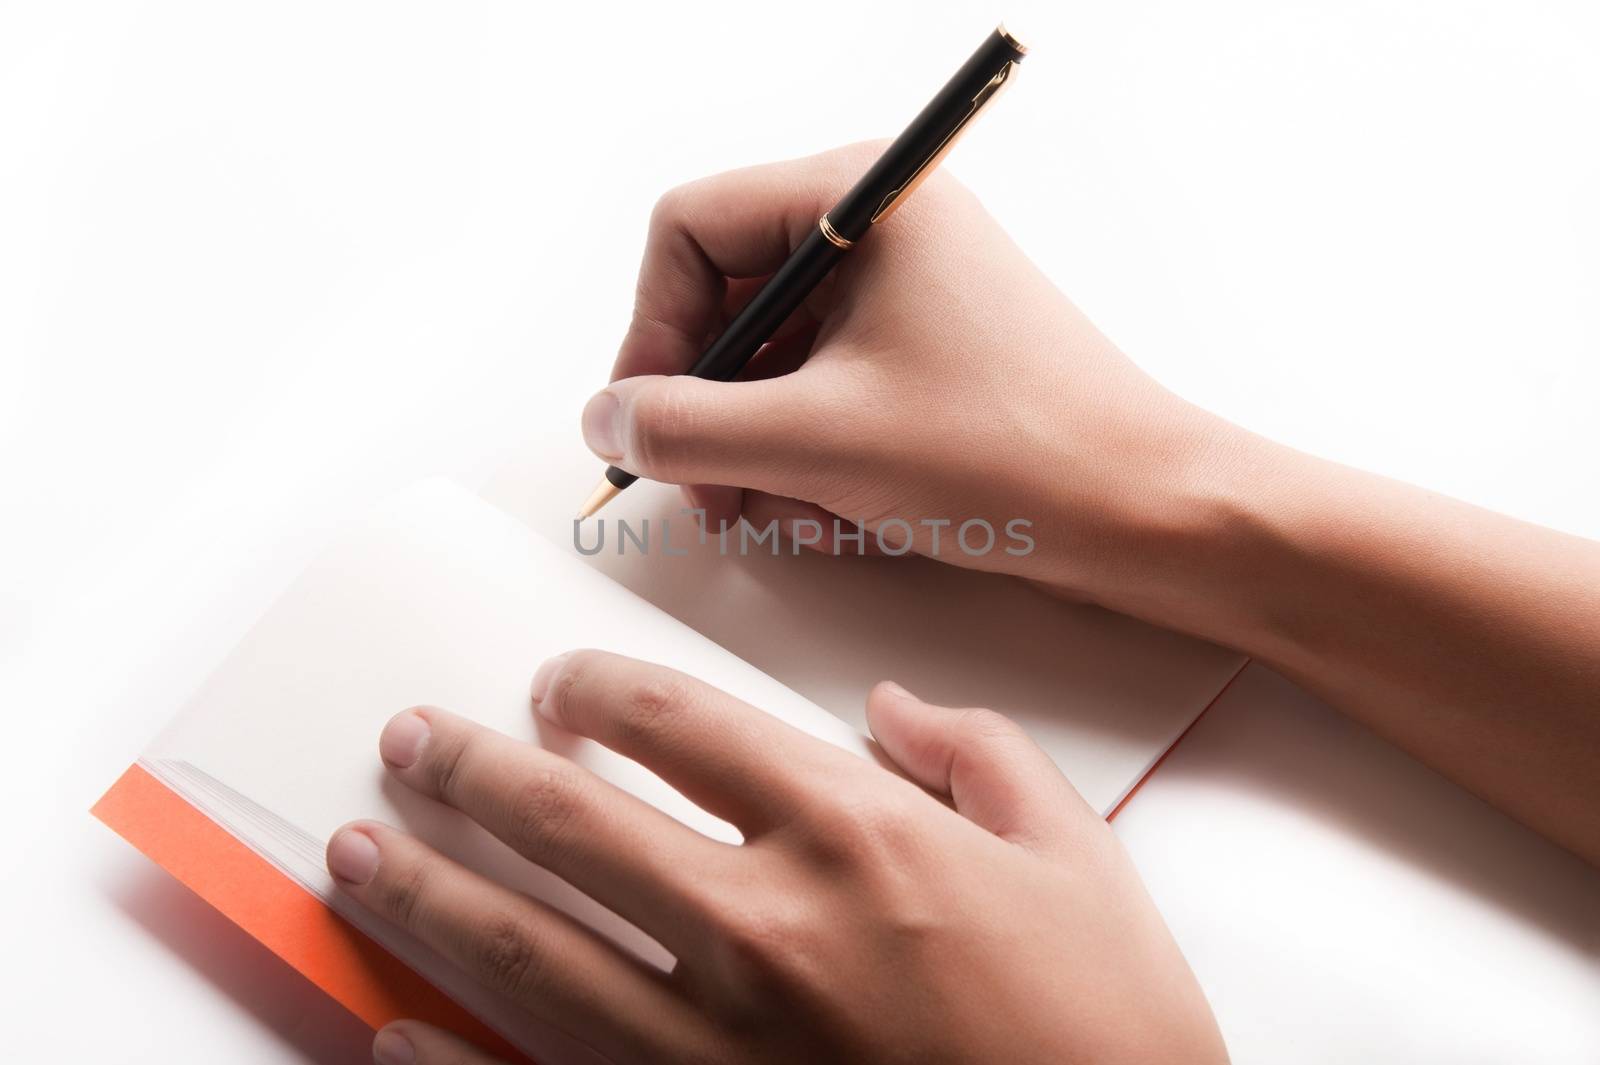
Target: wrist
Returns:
[1183, 543]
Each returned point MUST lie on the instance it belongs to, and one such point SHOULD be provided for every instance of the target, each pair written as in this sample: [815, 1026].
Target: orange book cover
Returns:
[323, 947]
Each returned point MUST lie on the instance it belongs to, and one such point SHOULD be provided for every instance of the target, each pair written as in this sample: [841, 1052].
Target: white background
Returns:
[261, 262]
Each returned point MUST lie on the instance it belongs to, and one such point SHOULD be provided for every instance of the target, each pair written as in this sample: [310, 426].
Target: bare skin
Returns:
[906, 390]
[866, 917]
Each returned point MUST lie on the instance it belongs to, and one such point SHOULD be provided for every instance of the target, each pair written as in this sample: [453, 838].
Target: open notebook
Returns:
[437, 598]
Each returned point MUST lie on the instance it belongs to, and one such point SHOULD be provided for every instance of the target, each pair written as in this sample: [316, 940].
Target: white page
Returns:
[1105, 695]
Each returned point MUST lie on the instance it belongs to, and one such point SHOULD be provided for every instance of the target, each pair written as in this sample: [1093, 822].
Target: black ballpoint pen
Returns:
[898, 171]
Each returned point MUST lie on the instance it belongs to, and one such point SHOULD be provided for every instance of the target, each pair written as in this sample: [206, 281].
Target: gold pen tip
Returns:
[604, 493]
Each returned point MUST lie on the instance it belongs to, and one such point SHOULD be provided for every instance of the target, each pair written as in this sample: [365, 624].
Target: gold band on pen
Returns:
[833, 234]
[1011, 39]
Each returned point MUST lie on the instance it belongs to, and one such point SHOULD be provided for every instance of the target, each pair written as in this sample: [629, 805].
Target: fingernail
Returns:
[602, 425]
[392, 1048]
[895, 690]
[541, 681]
[402, 740]
[352, 856]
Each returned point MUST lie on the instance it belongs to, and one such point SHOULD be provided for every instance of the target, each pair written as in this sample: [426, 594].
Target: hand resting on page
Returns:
[973, 909]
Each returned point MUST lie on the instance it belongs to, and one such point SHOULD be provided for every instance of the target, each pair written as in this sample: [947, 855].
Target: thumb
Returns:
[685, 430]
[995, 775]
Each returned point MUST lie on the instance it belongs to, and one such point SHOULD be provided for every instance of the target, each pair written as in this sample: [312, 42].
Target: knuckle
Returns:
[864, 831]
[452, 765]
[649, 707]
[884, 827]
[545, 810]
[669, 208]
[566, 691]
[987, 726]
[400, 896]
[663, 420]
[506, 956]
[648, 318]
[762, 948]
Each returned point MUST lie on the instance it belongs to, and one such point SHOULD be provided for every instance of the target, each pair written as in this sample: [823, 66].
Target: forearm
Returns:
[1467, 638]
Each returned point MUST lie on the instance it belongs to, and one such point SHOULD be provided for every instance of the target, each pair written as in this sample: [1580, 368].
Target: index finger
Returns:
[727, 757]
[742, 224]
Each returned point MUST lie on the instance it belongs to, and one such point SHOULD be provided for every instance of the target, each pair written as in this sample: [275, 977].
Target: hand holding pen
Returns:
[903, 165]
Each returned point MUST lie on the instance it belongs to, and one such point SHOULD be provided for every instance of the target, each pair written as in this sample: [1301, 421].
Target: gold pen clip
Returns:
[985, 94]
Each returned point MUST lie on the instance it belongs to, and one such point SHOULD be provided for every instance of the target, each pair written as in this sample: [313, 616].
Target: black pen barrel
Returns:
[780, 297]
[914, 154]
